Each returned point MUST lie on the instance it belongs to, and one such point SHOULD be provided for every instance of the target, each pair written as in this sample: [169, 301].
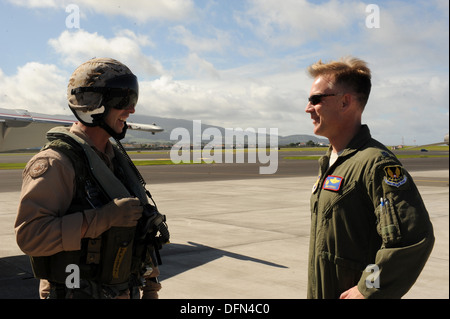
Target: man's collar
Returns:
[358, 141]
[76, 129]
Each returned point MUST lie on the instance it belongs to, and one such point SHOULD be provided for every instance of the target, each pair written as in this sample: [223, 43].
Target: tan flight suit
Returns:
[351, 228]
[48, 188]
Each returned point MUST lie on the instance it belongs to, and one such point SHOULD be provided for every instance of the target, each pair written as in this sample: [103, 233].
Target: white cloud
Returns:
[37, 3]
[35, 87]
[413, 36]
[140, 10]
[408, 55]
[145, 10]
[295, 22]
[80, 46]
[412, 108]
[217, 43]
[213, 79]
[232, 101]
[201, 68]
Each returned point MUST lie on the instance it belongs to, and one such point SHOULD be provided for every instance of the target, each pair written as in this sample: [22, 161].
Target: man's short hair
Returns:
[350, 72]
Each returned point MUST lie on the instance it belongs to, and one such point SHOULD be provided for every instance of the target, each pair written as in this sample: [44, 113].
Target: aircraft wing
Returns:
[20, 129]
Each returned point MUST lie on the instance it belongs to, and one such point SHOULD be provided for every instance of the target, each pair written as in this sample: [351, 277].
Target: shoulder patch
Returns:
[39, 167]
[394, 176]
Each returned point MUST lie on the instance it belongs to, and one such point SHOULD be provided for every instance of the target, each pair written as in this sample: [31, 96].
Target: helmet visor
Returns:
[121, 92]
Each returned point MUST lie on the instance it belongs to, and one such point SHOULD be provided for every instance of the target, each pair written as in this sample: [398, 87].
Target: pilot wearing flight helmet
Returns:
[83, 201]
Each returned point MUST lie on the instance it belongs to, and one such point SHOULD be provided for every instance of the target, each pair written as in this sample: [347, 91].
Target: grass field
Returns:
[137, 163]
[401, 153]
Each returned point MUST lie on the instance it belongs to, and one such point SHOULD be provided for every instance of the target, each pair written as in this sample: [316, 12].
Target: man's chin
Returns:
[317, 130]
[119, 127]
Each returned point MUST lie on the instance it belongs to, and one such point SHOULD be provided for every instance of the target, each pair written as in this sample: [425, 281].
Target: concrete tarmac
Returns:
[238, 239]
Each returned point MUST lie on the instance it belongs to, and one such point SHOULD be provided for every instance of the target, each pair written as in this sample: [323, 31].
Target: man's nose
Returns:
[309, 108]
[131, 108]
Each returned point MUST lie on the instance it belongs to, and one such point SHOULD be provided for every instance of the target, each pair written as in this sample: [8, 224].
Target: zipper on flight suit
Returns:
[317, 192]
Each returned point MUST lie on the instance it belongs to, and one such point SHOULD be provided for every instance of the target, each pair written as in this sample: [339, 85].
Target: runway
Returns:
[159, 174]
[237, 234]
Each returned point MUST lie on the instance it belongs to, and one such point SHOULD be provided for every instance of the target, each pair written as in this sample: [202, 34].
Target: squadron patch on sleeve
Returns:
[39, 167]
[394, 176]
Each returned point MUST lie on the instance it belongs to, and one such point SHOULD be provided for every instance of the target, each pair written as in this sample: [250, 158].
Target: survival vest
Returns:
[111, 258]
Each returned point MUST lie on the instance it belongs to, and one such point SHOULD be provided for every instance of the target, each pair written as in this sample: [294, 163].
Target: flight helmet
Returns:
[98, 85]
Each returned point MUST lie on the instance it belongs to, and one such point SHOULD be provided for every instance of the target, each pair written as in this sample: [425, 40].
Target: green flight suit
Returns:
[366, 210]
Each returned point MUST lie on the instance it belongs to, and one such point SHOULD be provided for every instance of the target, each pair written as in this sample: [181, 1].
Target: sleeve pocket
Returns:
[387, 222]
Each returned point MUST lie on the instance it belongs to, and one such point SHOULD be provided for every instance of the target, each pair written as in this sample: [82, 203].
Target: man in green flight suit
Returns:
[370, 231]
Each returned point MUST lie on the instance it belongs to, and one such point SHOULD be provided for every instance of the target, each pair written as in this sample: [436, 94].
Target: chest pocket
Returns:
[332, 199]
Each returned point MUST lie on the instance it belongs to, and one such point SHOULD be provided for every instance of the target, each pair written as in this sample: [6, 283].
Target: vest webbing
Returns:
[116, 253]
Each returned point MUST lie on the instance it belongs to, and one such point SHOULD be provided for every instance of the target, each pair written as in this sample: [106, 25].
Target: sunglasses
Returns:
[119, 92]
[317, 98]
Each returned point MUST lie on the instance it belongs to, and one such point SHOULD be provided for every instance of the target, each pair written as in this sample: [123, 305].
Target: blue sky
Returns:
[238, 63]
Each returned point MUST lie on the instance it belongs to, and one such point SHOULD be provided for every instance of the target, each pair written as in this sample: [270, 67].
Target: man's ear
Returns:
[347, 100]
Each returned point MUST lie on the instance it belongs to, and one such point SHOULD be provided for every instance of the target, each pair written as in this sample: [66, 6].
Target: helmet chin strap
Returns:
[110, 131]
[99, 120]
